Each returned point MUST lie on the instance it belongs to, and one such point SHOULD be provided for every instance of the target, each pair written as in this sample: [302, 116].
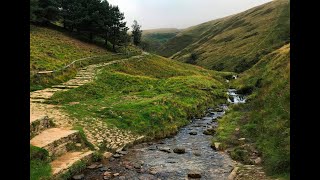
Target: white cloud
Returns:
[179, 13]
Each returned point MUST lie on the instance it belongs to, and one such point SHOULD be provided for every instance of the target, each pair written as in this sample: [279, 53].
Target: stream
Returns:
[185, 155]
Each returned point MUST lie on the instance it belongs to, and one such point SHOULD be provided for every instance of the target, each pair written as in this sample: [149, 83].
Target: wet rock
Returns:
[210, 131]
[78, 177]
[193, 133]
[194, 174]
[179, 150]
[165, 149]
[152, 148]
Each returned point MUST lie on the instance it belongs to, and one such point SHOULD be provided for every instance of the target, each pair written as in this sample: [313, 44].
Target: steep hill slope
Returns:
[153, 39]
[52, 49]
[265, 119]
[234, 43]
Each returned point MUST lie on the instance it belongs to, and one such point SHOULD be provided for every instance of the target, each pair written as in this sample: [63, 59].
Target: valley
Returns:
[211, 101]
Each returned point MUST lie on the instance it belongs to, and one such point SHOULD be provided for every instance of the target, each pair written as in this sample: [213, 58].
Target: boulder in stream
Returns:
[179, 150]
[194, 174]
[165, 149]
[193, 133]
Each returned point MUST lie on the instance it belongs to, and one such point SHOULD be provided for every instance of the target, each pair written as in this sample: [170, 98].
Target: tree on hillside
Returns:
[33, 9]
[118, 29]
[192, 59]
[136, 33]
[46, 11]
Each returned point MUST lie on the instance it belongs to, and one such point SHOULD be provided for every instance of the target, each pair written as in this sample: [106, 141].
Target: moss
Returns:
[39, 163]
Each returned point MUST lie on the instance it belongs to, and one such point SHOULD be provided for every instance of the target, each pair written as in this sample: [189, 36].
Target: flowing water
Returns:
[156, 160]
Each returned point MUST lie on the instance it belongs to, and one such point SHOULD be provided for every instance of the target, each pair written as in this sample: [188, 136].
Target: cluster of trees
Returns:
[93, 17]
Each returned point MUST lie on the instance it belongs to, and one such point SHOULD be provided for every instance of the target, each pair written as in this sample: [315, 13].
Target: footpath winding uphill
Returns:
[51, 128]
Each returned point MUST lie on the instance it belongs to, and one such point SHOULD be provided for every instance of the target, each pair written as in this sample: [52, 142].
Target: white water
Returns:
[235, 98]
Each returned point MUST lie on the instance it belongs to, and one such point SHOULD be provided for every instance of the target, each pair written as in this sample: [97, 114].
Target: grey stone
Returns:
[78, 177]
[179, 150]
[193, 133]
[165, 149]
[194, 174]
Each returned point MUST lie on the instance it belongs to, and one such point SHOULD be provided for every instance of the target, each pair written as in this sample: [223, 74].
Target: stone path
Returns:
[57, 140]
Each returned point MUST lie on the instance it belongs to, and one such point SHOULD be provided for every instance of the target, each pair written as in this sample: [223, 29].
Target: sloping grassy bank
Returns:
[265, 119]
[151, 95]
[39, 163]
[51, 49]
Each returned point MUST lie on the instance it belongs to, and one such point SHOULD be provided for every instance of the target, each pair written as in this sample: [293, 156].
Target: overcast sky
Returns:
[179, 13]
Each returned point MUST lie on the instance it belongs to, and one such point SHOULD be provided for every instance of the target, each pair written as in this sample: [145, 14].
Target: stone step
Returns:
[37, 125]
[62, 87]
[63, 163]
[55, 140]
[37, 100]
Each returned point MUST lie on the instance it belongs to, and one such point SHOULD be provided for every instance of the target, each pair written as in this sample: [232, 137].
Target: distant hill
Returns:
[153, 39]
[233, 43]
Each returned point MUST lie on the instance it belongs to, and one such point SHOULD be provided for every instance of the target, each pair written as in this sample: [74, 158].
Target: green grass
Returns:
[265, 119]
[151, 95]
[155, 38]
[52, 49]
[234, 43]
[39, 163]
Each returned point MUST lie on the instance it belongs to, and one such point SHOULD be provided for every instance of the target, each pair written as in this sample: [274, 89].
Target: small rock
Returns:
[258, 160]
[107, 173]
[78, 177]
[92, 166]
[111, 159]
[107, 155]
[193, 133]
[179, 150]
[194, 174]
[216, 146]
[123, 152]
[100, 166]
[78, 144]
[152, 148]
[116, 174]
[209, 132]
[116, 155]
[146, 177]
[242, 139]
[73, 103]
[102, 169]
[165, 149]
[197, 153]
[237, 129]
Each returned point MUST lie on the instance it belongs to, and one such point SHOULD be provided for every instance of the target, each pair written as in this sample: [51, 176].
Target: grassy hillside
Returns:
[265, 119]
[51, 49]
[234, 43]
[150, 95]
[153, 39]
